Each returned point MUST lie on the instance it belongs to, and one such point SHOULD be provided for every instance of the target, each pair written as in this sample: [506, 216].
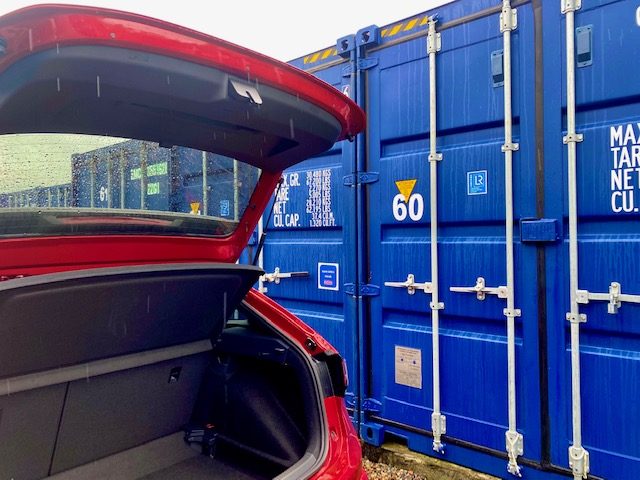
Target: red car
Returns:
[136, 158]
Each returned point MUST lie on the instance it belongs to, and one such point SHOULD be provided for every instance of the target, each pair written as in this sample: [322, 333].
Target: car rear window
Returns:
[86, 184]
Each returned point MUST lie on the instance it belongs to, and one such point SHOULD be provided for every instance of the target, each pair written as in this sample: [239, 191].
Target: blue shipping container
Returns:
[141, 175]
[554, 281]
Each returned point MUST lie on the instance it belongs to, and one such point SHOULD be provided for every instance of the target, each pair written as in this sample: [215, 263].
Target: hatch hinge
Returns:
[371, 405]
[362, 178]
[364, 290]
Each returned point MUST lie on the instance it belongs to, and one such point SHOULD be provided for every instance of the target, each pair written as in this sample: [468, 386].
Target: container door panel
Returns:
[471, 243]
[608, 195]
[311, 236]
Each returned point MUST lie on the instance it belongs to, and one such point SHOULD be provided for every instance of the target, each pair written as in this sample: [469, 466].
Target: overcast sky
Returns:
[284, 29]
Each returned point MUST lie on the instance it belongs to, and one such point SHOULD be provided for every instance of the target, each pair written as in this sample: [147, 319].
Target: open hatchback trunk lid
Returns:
[150, 116]
[137, 158]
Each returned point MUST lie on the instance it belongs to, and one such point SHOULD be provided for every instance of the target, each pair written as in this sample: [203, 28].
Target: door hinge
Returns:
[350, 400]
[371, 405]
[363, 64]
[360, 178]
[365, 290]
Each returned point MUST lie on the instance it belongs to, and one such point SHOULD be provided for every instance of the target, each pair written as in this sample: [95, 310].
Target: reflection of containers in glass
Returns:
[142, 175]
[132, 175]
[99, 177]
[40, 197]
[210, 180]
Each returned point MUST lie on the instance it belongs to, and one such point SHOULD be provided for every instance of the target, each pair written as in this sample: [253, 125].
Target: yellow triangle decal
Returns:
[405, 187]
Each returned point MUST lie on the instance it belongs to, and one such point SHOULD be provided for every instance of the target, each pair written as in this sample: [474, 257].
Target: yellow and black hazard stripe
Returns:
[321, 55]
[403, 27]
[387, 32]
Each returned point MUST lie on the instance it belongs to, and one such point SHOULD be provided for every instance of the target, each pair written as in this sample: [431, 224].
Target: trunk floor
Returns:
[200, 468]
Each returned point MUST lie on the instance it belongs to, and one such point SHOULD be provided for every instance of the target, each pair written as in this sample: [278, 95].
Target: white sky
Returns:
[284, 29]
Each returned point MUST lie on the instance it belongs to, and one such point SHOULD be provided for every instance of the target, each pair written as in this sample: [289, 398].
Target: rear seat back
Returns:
[96, 362]
[28, 428]
[51, 321]
[110, 413]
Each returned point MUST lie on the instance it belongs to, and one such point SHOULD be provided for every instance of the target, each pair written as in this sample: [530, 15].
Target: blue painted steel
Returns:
[394, 91]
[471, 231]
[608, 105]
[313, 223]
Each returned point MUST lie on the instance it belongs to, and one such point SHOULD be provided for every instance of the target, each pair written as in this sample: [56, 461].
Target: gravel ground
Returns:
[380, 471]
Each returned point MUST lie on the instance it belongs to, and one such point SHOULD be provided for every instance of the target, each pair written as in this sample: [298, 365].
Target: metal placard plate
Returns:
[408, 366]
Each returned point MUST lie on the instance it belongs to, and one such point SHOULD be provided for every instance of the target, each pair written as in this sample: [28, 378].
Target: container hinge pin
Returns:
[515, 448]
[570, 5]
[508, 18]
[276, 276]
[481, 290]
[579, 461]
[572, 138]
[435, 157]
[439, 428]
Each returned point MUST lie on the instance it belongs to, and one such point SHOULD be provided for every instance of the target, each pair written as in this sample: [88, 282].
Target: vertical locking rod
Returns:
[514, 440]
[109, 181]
[123, 179]
[236, 192]
[205, 178]
[92, 181]
[438, 421]
[578, 456]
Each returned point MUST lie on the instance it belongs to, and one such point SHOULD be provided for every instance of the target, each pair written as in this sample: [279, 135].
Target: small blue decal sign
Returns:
[328, 276]
[477, 182]
[225, 208]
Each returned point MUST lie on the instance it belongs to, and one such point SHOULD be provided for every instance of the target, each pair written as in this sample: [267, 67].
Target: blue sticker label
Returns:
[328, 276]
[477, 183]
[225, 208]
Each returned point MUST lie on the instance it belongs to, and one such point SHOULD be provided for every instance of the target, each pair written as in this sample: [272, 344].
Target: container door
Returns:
[607, 46]
[471, 233]
[310, 238]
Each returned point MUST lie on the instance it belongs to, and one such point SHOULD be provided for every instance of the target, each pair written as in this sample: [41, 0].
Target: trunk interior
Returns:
[150, 373]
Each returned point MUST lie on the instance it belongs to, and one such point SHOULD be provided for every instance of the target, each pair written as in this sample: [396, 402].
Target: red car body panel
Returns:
[344, 460]
[39, 28]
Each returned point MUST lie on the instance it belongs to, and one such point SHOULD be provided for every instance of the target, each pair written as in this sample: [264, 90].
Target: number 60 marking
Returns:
[415, 208]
